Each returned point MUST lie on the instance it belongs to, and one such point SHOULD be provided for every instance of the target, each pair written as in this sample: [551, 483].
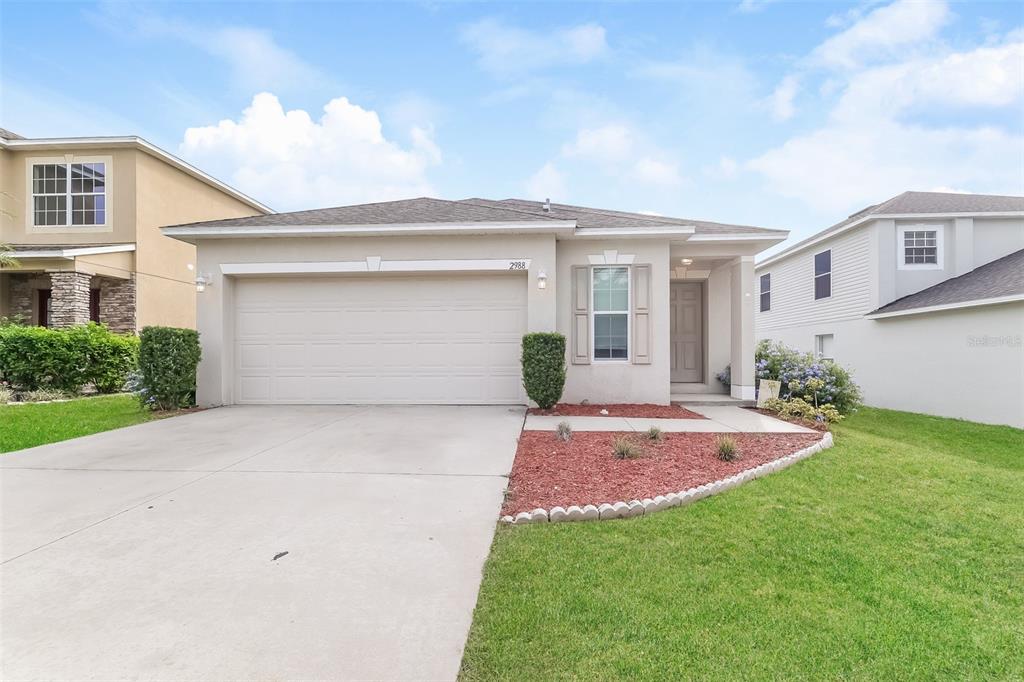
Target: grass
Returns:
[25, 426]
[898, 554]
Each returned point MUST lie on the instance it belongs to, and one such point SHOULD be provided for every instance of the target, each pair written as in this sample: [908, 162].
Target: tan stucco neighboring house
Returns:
[82, 217]
[426, 301]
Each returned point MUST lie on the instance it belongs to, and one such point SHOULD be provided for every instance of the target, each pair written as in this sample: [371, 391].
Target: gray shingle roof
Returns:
[56, 248]
[7, 134]
[428, 210]
[1001, 277]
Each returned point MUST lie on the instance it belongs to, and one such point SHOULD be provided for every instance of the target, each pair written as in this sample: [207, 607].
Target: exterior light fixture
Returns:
[542, 280]
[686, 261]
[202, 281]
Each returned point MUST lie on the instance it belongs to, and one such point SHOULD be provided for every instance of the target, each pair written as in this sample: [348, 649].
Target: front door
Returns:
[687, 331]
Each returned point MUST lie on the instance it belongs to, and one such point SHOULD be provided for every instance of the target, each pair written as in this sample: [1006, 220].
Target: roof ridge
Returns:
[472, 202]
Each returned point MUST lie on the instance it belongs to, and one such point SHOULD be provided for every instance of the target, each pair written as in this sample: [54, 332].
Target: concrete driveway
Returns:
[148, 552]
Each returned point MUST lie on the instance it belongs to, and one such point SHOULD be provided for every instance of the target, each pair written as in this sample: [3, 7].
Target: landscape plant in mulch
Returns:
[550, 472]
[643, 410]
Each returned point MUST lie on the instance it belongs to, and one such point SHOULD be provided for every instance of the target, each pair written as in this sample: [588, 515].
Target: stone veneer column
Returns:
[69, 299]
[21, 298]
[117, 304]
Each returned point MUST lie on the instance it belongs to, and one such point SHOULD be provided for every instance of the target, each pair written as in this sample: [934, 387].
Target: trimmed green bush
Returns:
[544, 367]
[65, 360]
[168, 358]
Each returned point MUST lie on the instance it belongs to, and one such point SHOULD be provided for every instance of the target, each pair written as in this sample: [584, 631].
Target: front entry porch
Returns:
[53, 287]
[711, 327]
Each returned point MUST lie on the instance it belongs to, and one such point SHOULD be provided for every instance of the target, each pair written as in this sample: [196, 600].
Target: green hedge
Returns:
[168, 359]
[33, 358]
[544, 367]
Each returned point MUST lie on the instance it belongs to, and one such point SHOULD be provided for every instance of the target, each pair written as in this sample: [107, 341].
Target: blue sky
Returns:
[769, 113]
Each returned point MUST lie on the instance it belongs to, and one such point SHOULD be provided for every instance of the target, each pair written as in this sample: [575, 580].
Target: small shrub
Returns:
[168, 358]
[625, 448]
[727, 449]
[6, 394]
[564, 431]
[801, 410]
[543, 362]
[42, 395]
[654, 434]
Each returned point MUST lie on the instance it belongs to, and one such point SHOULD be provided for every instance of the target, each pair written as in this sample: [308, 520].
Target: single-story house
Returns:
[426, 301]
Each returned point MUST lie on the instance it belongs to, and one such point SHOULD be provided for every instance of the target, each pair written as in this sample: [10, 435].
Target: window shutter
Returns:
[641, 314]
[580, 315]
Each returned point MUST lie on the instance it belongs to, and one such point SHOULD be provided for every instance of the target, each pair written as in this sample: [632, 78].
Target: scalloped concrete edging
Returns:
[624, 510]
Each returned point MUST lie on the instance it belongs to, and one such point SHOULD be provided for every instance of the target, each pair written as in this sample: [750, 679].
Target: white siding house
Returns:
[925, 303]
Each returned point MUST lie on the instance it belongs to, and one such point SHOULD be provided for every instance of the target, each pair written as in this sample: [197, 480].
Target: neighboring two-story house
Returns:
[921, 296]
[82, 217]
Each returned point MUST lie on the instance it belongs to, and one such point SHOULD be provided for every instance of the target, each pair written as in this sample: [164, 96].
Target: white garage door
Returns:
[451, 339]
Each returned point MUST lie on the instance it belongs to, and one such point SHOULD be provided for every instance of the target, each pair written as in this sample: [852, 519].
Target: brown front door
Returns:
[687, 331]
[43, 307]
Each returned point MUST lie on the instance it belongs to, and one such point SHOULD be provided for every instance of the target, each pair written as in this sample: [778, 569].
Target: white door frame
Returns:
[702, 298]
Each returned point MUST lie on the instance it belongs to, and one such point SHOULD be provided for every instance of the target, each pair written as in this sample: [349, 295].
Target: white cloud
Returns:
[882, 33]
[256, 60]
[751, 6]
[655, 172]
[290, 161]
[726, 169]
[547, 183]
[611, 143]
[781, 101]
[507, 50]
[848, 165]
[987, 77]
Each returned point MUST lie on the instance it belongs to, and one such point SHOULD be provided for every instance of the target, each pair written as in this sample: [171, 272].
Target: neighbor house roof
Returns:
[995, 282]
[426, 210]
[910, 205]
[9, 140]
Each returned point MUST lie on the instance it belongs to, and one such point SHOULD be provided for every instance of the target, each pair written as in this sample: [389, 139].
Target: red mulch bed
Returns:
[644, 410]
[549, 472]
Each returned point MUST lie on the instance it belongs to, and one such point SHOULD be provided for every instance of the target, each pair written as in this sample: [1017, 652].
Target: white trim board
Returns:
[376, 264]
[72, 252]
[185, 232]
[948, 306]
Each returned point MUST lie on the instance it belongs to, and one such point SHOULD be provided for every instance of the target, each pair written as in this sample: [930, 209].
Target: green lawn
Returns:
[25, 426]
[898, 554]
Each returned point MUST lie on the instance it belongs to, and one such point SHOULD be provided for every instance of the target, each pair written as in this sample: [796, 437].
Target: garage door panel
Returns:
[437, 339]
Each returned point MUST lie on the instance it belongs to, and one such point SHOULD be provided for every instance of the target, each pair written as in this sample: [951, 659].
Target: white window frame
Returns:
[815, 275]
[628, 312]
[818, 346]
[68, 227]
[901, 255]
[761, 292]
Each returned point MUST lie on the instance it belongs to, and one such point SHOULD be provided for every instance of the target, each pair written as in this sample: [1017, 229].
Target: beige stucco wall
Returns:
[615, 381]
[168, 196]
[15, 201]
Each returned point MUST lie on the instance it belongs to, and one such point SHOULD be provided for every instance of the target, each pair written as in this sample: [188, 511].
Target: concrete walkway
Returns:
[720, 419]
[252, 543]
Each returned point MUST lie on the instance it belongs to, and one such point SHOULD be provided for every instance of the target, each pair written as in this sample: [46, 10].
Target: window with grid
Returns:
[920, 247]
[69, 194]
[611, 313]
[766, 292]
[823, 274]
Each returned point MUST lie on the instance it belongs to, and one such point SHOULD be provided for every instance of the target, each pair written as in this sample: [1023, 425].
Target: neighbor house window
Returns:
[823, 274]
[69, 194]
[824, 346]
[920, 247]
[766, 293]
[610, 290]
